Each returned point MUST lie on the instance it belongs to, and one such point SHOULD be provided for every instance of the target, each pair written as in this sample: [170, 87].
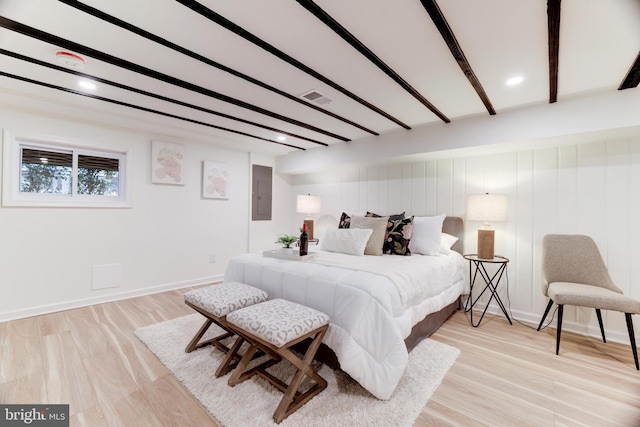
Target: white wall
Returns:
[163, 242]
[591, 188]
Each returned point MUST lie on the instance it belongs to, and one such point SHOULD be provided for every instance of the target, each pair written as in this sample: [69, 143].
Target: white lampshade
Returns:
[308, 204]
[487, 207]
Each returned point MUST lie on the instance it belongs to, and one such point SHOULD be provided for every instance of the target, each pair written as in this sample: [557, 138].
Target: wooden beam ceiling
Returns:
[553, 24]
[323, 16]
[119, 62]
[456, 50]
[633, 76]
[137, 107]
[160, 97]
[236, 29]
[157, 39]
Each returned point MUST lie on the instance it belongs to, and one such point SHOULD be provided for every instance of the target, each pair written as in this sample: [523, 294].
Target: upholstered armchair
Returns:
[574, 273]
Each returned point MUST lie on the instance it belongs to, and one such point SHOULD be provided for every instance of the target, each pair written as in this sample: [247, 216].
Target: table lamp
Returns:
[488, 208]
[308, 204]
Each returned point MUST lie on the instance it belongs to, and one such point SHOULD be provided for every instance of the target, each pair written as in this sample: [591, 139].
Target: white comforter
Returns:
[373, 302]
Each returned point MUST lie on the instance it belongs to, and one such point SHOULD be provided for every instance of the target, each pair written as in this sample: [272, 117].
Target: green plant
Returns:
[286, 240]
[43, 178]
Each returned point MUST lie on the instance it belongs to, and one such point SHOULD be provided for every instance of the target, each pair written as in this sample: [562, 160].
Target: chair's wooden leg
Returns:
[560, 310]
[600, 323]
[546, 311]
[632, 338]
[193, 344]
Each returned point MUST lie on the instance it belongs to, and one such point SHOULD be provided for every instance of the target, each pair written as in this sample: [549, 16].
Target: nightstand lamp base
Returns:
[485, 244]
[309, 223]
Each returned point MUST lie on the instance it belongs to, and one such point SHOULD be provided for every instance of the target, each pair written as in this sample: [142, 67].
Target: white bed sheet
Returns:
[369, 317]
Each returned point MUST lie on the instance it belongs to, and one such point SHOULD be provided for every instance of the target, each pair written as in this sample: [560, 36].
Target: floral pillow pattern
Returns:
[345, 221]
[391, 217]
[389, 224]
[398, 237]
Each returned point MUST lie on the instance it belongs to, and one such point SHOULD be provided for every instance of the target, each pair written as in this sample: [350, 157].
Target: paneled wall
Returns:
[591, 188]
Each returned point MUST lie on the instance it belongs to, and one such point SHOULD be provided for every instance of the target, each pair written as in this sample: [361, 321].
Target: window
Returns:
[39, 172]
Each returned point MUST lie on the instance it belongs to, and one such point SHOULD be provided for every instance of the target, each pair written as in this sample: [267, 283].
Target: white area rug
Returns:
[252, 403]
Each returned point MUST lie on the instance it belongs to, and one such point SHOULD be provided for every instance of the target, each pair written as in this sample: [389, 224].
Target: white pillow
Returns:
[378, 226]
[426, 235]
[446, 243]
[346, 240]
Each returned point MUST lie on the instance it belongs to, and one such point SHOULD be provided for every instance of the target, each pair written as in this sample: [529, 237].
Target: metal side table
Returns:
[491, 283]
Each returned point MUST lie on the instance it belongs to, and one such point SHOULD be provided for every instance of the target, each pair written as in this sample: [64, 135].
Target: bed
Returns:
[375, 322]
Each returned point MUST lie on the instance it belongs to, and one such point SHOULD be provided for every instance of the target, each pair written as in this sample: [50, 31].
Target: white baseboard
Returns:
[117, 296]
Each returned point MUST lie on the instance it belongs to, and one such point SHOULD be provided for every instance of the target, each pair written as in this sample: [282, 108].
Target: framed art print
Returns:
[167, 163]
[216, 180]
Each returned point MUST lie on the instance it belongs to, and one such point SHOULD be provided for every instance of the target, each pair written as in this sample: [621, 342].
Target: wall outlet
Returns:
[212, 258]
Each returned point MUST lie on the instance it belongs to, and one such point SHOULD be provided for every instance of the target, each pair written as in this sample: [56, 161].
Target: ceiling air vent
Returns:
[316, 97]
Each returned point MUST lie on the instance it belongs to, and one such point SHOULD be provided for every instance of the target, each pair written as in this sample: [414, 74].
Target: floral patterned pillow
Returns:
[345, 221]
[391, 217]
[398, 237]
[389, 224]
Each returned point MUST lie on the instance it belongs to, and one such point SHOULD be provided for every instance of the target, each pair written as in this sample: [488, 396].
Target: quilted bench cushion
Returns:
[224, 298]
[278, 321]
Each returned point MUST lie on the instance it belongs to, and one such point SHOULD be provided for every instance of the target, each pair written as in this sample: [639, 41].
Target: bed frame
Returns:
[452, 225]
[427, 326]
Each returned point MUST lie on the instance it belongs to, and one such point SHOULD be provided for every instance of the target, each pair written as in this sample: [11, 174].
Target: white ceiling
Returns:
[599, 42]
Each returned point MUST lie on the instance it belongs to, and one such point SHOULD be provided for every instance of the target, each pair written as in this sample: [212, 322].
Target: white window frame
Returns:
[12, 169]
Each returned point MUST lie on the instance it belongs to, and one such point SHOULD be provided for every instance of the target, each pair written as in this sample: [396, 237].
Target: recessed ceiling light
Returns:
[86, 85]
[514, 81]
[282, 138]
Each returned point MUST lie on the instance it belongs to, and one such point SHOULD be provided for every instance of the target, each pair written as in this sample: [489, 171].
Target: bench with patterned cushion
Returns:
[273, 327]
[215, 303]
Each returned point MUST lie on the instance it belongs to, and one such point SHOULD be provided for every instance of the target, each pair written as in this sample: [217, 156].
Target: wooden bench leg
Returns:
[230, 360]
[292, 399]
[241, 374]
[194, 344]
[233, 357]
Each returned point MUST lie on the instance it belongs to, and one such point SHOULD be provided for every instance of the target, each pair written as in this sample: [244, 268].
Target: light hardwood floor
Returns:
[505, 375]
